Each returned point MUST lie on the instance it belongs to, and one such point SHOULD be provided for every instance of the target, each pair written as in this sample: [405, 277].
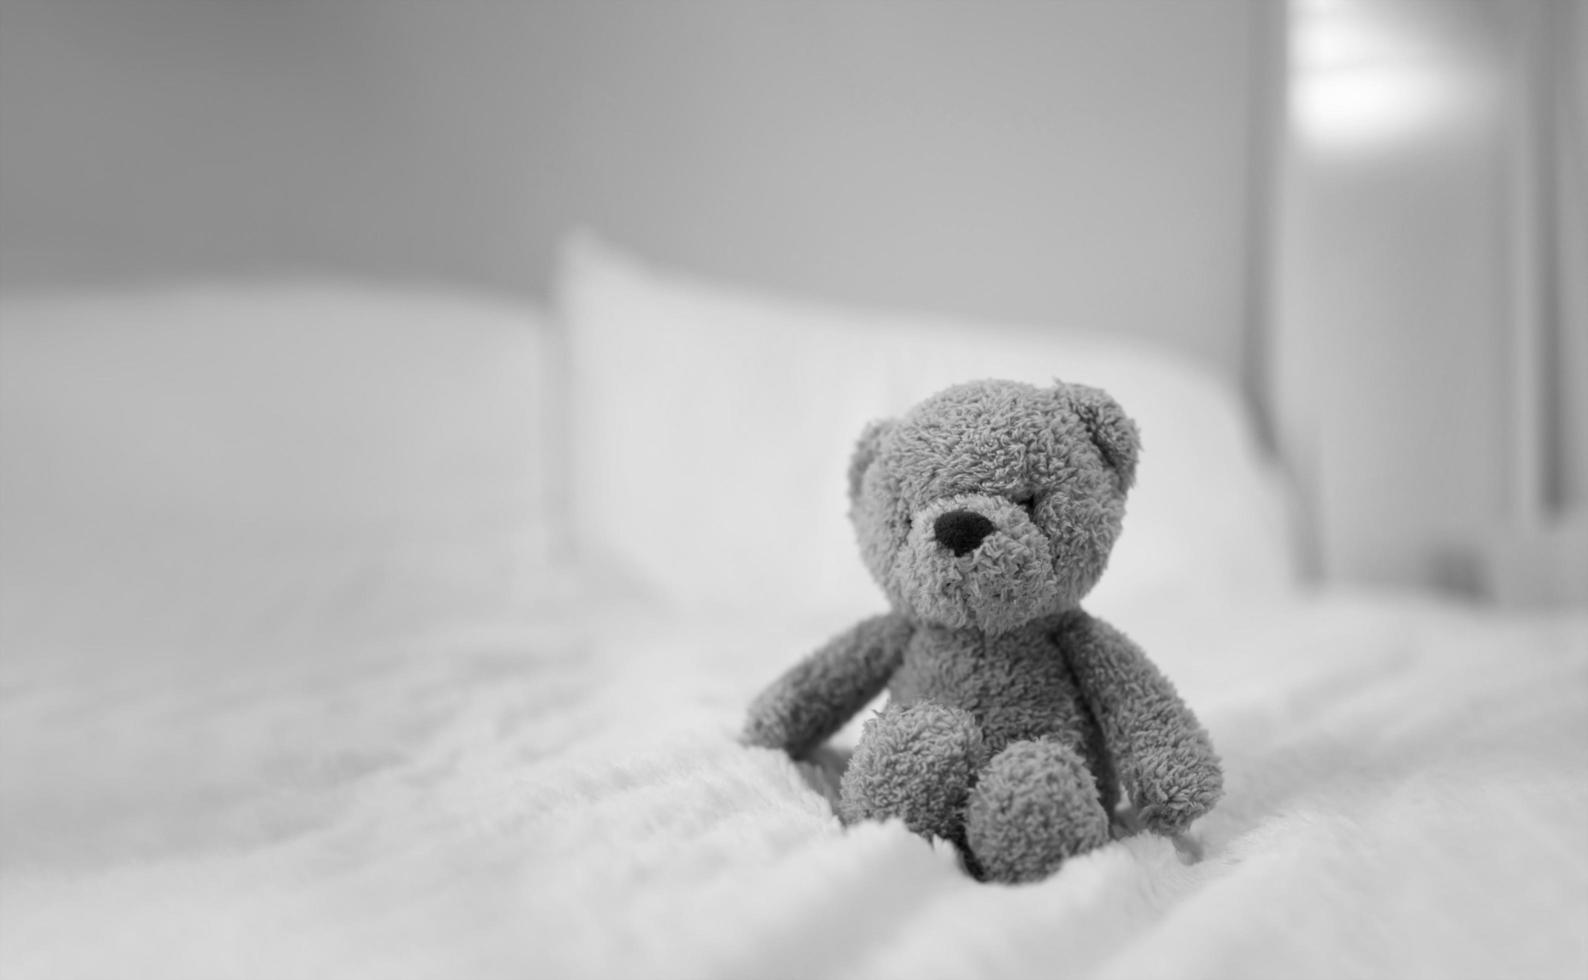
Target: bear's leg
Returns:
[917, 764]
[1035, 805]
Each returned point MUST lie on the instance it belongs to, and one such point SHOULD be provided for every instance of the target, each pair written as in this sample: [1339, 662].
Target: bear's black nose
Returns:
[962, 531]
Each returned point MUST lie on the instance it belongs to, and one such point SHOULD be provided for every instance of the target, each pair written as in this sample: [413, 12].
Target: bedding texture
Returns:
[292, 682]
[1407, 796]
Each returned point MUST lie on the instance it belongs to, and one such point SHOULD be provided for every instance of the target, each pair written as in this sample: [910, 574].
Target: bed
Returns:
[341, 635]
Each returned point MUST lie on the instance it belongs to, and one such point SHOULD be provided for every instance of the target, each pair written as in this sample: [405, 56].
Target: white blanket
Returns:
[1407, 796]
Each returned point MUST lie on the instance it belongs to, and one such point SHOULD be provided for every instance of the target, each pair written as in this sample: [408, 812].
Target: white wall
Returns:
[1074, 162]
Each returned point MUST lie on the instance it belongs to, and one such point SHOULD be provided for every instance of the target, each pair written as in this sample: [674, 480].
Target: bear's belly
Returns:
[1016, 685]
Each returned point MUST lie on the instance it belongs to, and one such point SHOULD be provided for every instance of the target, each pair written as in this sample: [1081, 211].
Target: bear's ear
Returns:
[1111, 430]
[866, 453]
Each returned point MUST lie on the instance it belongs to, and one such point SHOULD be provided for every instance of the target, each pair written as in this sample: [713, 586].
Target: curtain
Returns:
[1429, 352]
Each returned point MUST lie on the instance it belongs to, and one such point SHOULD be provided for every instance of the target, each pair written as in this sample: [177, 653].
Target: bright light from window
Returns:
[1366, 74]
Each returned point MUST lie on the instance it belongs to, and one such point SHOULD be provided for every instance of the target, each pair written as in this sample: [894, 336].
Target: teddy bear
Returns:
[1015, 720]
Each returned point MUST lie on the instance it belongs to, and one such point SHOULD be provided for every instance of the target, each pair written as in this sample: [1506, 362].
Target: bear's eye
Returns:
[1027, 503]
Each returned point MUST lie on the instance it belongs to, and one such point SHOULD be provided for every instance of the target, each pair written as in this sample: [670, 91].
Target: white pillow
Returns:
[713, 425]
[231, 461]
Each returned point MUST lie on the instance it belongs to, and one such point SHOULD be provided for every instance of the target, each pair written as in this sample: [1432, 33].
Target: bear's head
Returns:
[993, 503]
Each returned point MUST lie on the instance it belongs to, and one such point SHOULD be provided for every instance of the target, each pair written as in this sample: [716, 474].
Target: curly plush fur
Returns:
[986, 514]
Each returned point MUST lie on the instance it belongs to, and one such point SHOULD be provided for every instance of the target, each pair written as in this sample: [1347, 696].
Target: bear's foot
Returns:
[1034, 806]
[917, 764]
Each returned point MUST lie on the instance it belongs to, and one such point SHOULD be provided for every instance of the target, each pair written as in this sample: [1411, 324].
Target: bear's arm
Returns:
[816, 696]
[1157, 744]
